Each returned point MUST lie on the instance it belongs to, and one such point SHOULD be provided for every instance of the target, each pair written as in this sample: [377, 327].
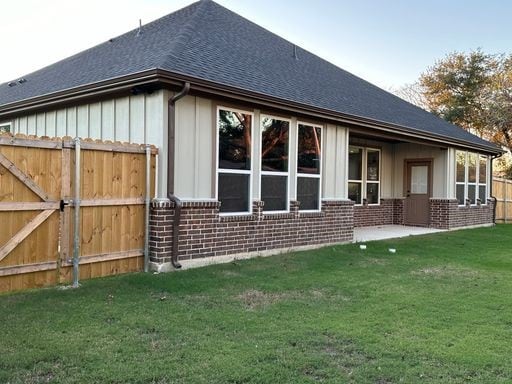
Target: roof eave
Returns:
[103, 88]
[53, 100]
[229, 91]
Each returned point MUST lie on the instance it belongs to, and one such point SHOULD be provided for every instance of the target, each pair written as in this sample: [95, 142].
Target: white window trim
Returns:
[487, 179]
[271, 173]
[234, 171]
[315, 176]
[7, 124]
[364, 173]
[464, 183]
[477, 182]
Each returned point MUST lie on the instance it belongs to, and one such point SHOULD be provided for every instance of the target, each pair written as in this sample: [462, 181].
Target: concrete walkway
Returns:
[382, 232]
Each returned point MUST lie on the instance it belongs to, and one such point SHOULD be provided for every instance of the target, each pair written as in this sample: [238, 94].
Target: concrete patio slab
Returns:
[381, 232]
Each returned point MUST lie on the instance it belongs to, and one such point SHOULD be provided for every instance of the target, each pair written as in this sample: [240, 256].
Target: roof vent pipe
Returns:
[171, 145]
[139, 32]
[295, 52]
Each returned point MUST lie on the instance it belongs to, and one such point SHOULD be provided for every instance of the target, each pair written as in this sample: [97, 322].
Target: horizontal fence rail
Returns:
[38, 180]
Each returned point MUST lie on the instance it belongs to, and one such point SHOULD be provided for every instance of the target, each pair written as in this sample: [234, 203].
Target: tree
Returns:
[498, 96]
[413, 93]
[455, 88]
[472, 90]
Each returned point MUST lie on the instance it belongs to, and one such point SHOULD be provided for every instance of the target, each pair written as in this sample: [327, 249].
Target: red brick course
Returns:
[204, 233]
[389, 211]
[447, 214]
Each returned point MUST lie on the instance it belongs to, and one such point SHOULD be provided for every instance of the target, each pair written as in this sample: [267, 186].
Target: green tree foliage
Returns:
[474, 91]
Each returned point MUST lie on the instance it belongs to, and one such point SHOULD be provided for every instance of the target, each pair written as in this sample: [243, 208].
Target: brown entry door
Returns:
[418, 190]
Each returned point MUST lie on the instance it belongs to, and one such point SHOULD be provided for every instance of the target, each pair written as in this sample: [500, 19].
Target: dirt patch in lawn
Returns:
[372, 261]
[256, 300]
[445, 271]
[342, 354]
[228, 273]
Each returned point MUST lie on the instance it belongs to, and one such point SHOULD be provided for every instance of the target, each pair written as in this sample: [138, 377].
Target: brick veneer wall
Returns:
[161, 220]
[389, 211]
[446, 214]
[204, 233]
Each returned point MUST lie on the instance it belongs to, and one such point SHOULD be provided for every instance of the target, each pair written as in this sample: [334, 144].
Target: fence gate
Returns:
[37, 186]
[502, 190]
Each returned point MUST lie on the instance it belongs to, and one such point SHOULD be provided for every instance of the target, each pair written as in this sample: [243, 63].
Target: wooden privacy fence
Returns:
[47, 186]
[502, 190]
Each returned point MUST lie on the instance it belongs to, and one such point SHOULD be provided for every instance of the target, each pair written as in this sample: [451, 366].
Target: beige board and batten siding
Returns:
[194, 167]
[196, 141]
[335, 150]
[451, 173]
[140, 119]
[409, 151]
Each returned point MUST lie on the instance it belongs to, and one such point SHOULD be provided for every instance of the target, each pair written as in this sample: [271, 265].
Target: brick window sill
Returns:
[311, 214]
[231, 218]
[276, 216]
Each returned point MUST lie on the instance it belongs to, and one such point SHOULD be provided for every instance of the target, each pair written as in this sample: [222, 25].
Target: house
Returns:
[263, 145]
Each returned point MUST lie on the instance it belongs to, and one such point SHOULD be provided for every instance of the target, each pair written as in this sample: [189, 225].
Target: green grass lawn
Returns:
[437, 311]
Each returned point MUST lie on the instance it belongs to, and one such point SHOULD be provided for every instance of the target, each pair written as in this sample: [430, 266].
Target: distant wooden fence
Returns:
[37, 204]
[502, 190]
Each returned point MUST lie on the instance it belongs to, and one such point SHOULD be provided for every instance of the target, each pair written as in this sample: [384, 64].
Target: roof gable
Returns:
[209, 42]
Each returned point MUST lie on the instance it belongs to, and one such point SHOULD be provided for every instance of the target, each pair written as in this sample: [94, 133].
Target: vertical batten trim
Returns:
[66, 122]
[347, 146]
[196, 148]
[114, 102]
[144, 123]
[101, 121]
[88, 125]
[129, 119]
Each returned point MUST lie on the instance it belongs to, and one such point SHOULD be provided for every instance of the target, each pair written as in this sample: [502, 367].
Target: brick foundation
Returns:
[389, 211]
[446, 214]
[204, 233]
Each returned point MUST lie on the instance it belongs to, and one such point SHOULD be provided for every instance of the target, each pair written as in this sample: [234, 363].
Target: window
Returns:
[234, 161]
[309, 164]
[364, 175]
[5, 127]
[482, 179]
[460, 180]
[470, 178]
[274, 164]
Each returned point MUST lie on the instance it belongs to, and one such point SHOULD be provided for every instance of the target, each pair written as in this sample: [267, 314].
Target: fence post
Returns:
[505, 201]
[76, 203]
[147, 201]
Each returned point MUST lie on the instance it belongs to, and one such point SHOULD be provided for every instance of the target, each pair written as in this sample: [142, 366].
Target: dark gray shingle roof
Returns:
[209, 42]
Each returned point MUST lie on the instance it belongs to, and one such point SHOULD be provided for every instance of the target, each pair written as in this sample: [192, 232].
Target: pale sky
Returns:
[387, 42]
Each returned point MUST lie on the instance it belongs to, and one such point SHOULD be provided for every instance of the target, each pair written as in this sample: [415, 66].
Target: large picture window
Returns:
[5, 127]
[309, 166]
[234, 129]
[470, 177]
[364, 175]
[274, 164]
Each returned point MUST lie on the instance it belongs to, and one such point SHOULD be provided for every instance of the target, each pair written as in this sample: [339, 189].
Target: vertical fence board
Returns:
[502, 190]
[110, 172]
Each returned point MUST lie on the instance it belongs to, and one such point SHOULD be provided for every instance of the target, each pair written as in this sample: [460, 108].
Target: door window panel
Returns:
[419, 179]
